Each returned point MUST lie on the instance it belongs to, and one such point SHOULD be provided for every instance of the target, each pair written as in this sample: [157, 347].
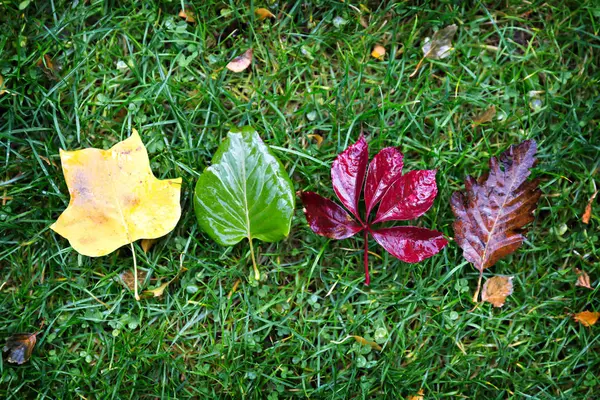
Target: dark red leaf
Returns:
[409, 197]
[326, 218]
[384, 169]
[490, 218]
[402, 197]
[348, 174]
[408, 243]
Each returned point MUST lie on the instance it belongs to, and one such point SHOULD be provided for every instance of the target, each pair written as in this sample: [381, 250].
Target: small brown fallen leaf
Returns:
[418, 396]
[588, 209]
[263, 13]
[2, 91]
[486, 116]
[317, 138]
[20, 346]
[378, 51]
[240, 63]
[128, 278]
[583, 279]
[147, 244]
[440, 44]
[363, 21]
[438, 47]
[46, 62]
[497, 289]
[587, 318]
[188, 15]
[366, 342]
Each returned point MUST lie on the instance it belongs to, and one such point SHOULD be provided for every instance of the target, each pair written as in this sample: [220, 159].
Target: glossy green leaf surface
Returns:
[245, 193]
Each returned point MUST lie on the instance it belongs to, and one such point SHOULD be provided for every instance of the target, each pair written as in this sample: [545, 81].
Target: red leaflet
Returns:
[348, 174]
[402, 197]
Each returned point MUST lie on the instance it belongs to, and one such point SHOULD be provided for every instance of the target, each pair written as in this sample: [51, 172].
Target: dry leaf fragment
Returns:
[157, 292]
[366, 342]
[587, 318]
[497, 289]
[115, 198]
[240, 63]
[147, 244]
[583, 279]
[440, 44]
[378, 51]
[588, 209]
[485, 116]
[263, 13]
[2, 91]
[129, 280]
[363, 21]
[20, 346]
[188, 15]
[418, 396]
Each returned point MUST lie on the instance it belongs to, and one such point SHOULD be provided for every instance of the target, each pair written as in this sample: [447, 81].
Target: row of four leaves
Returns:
[246, 193]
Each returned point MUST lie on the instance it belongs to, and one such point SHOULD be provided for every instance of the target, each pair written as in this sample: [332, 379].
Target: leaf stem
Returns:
[135, 275]
[366, 258]
[256, 272]
[476, 295]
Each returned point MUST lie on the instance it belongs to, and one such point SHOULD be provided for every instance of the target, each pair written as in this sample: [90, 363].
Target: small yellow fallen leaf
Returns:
[587, 318]
[486, 116]
[188, 15]
[588, 209]
[263, 13]
[583, 279]
[497, 289]
[2, 91]
[157, 292]
[147, 244]
[366, 342]
[418, 396]
[240, 63]
[378, 51]
[317, 138]
[115, 198]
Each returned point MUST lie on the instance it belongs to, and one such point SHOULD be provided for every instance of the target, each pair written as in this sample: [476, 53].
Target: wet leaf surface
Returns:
[115, 198]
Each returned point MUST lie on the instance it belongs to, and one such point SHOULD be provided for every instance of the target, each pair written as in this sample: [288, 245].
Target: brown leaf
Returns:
[240, 63]
[587, 318]
[583, 279]
[485, 116]
[497, 289]
[366, 342]
[495, 208]
[20, 346]
[418, 396]
[363, 21]
[440, 44]
[128, 278]
[147, 244]
[188, 15]
[263, 13]
[378, 51]
[588, 209]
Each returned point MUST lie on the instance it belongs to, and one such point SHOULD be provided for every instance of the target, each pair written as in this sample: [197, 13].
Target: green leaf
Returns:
[245, 193]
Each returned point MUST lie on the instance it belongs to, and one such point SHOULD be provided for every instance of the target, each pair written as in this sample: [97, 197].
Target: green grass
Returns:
[280, 338]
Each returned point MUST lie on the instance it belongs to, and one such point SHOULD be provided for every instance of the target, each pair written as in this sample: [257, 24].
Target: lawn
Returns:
[84, 73]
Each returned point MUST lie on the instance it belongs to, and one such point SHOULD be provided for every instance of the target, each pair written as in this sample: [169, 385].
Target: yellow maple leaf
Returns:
[115, 198]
